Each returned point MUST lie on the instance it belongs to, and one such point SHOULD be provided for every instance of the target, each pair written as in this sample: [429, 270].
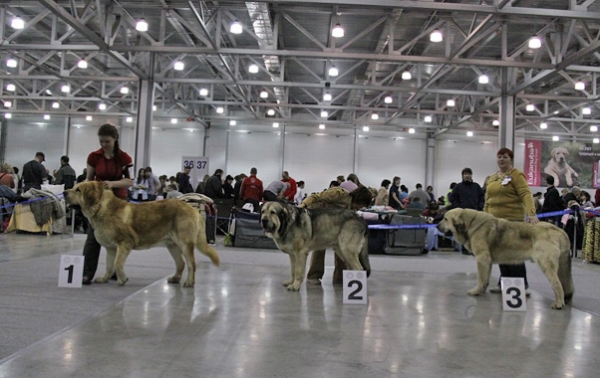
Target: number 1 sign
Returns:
[355, 287]
[70, 273]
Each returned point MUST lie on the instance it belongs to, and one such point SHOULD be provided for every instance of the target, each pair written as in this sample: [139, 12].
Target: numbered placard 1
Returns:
[513, 294]
[355, 287]
[71, 271]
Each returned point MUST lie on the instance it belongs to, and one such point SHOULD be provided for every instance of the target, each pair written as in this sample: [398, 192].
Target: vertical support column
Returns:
[429, 161]
[506, 131]
[67, 139]
[3, 132]
[355, 152]
[282, 150]
[143, 127]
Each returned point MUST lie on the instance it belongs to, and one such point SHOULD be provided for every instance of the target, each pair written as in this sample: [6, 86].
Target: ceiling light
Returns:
[102, 106]
[543, 125]
[12, 63]
[203, 92]
[337, 31]
[324, 114]
[450, 103]
[220, 110]
[55, 105]
[48, 92]
[374, 116]
[586, 111]
[178, 66]
[596, 140]
[535, 43]
[46, 116]
[322, 126]
[406, 75]
[333, 72]
[436, 36]
[124, 90]
[253, 68]
[129, 119]
[141, 25]
[495, 123]
[365, 128]
[580, 86]
[411, 130]
[275, 124]
[7, 104]
[593, 128]
[327, 96]
[530, 107]
[264, 94]
[17, 23]
[11, 88]
[83, 64]
[388, 99]
[65, 89]
[555, 138]
[427, 119]
[271, 112]
[173, 120]
[8, 116]
[484, 79]
[236, 27]
[88, 118]
[233, 122]
[469, 133]
[154, 108]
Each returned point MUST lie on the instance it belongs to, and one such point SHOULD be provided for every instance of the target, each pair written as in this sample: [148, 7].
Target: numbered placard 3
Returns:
[355, 287]
[513, 294]
[70, 273]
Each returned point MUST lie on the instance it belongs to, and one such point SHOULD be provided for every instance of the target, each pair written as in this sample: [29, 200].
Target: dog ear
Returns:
[553, 152]
[92, 194]
[283, 220]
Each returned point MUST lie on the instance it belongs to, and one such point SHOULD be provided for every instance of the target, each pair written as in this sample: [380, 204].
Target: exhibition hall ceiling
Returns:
[286, 64]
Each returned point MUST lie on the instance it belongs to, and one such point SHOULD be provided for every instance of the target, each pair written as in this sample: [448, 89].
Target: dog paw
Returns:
[174, 280]
[474, 292]
[287, 282]
[294, 287]
[558, 305]
[122, 282]
[101, 280]
[188, 284]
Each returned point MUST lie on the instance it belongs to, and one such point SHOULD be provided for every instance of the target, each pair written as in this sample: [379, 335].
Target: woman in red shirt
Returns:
[114, 168]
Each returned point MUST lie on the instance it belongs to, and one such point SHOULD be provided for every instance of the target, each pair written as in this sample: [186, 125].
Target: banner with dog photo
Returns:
[570, 163]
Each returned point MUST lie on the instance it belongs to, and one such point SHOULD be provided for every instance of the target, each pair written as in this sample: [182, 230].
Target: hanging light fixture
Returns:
[580, 86]
[124, 90]
[46, 117]
[102, 106]
[596, 140]
[483, 79]
[324, 114]
[535, 43]
[17, 23]
[7, 115]
[264, 94]
[220, 110]
[333, 72]
[141, 25]
[436, 36]
[427, 119]
[530, 107]
[88, 118]
[55, 105]
[129, 119]
[275, 125]
[451, 103]
[469, 133]
[232, 122]
[388, 99]
[65, 89]
[253, 68]
[593, 128]
[203, 92]
[322, 126]
[555, 138]
[337, 31]
[586, 111]
[7, 104]
[495, 123]
[173, 121]
[236, 27]
[406, 75]
[178, 66]
[365, 128]
[411, 130]
[11, 88]
[271, 112]
[83, 64]
[327, 96]
[11, 63]
[374, 116]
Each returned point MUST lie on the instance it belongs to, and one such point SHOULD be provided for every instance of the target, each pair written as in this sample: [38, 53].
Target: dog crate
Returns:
[249, 233]
[408, 242]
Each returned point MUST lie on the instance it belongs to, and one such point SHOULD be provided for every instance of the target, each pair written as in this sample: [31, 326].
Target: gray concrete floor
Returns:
[238, 321]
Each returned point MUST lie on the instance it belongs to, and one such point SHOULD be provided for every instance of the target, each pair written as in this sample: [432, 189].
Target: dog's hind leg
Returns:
[122, 254]
[110, 265]
[187, 250]
[548, 263]
[176, 253]
[350, 256]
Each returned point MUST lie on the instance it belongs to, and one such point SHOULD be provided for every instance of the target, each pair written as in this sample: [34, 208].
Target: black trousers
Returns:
[513, 270]
[91, 252]
[269, 196]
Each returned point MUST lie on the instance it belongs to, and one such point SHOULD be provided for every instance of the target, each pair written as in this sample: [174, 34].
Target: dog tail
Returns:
[202, 244]
[564, 269]
[364, 258]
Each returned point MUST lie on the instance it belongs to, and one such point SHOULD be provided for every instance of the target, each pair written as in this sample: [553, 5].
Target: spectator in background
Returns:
[430, 193]
[65, 174]
[586, 200]
[162, 186]
[394, 199]
[403, 193]
[290, 192]
[275, 191]
[340, 179]
[419, 192]
[201, 187]
[228, 188]
[6, 177]
[154, 187]
[467, 194]
[183, 181]
[173, 180]
[238, 185]
[382, 198]
[537, 203]
[252, 189]
[452, 186]
[18, 182]
[82, 177]
[333, 184]
[140, 186]
[214, 185]
[352, 182]
[299, 195]
[552, 201]
[34, 173]
[172, 191]
[415, 203]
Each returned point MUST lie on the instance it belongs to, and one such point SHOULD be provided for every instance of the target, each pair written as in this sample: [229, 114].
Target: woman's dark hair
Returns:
[403, 188]
[334, 183]
[300, 183]
[385, 183]
[229, 177]
[507, 151]
[361, 196]
[141, 175]
[395, 179]
[111, 130]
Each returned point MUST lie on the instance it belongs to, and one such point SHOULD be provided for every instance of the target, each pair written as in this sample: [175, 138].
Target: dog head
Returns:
[275, 217]
[86, 195]
[559, 154]
[458, 222]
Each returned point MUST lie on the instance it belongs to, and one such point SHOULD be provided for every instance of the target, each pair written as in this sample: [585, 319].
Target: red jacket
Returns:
[251, 188]
[291, 190]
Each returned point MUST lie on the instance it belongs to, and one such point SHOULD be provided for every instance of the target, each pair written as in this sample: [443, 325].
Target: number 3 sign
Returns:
[513, 294]
[70, 273]
[355, 287]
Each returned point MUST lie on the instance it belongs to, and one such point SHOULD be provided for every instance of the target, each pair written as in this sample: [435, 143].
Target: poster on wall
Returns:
[198, 168]
[570, 163]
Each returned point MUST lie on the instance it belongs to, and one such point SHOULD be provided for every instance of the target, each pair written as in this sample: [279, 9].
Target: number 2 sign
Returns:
[355, 287]
[70, 273]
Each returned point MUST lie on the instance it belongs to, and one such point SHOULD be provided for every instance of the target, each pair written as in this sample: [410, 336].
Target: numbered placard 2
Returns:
[70, 273]
[355, 287]
[513, 294]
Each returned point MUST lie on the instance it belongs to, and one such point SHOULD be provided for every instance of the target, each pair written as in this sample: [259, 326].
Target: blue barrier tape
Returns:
[30, 201]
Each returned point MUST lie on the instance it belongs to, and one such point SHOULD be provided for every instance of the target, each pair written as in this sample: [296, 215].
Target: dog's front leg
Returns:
[110, 265]
[290, 280]
[484, 268]
[299, 270]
